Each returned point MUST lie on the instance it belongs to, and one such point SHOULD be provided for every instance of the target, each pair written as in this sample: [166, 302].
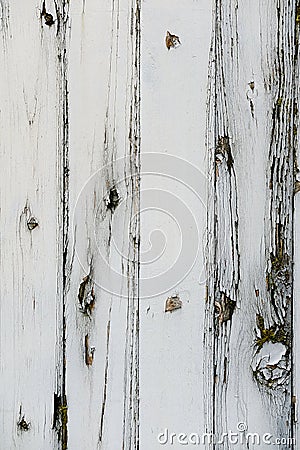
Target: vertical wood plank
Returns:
[251, 149]
[31, 143]
[103, 308]
[60, 406]
[173, 217]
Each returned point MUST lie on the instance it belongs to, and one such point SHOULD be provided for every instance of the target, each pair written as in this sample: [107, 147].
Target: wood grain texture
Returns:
[103, 304]
[149, 210]
[31, 149]
[295, 351]
[250, 224]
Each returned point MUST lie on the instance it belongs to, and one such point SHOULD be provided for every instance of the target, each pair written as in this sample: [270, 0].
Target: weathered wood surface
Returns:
[252, 132]
[149, 247]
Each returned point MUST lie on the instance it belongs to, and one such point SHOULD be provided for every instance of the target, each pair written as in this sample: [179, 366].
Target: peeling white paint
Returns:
[149, 248]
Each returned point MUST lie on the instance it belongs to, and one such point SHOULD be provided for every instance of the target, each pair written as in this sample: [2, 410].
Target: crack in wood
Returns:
[222, 258]
[272, 355]
[103, 408]
[131, 375]
[89, 351]
[279, 230]
[86, 294]
[23, 424]
[5, 22]
[60, 419]
[225, 308]
[273, 359]
[112, 199]
[63, 269]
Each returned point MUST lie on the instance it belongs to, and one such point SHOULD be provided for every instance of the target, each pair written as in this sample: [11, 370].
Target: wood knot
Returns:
[251, 85]
[271, 365]
[47, 16]
[22, 424]
[49, 19]
[86, 295]
[112, 199]
[223, 152]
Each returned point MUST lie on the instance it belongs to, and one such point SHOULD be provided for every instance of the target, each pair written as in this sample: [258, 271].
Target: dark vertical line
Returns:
[65, 196]
[280, 228]
[222, 172]
[131, 403]
[210, 329]
[65, 234]
[60, 397]
[295, 125]
[104, 398]
[215, 215]
[137, 293]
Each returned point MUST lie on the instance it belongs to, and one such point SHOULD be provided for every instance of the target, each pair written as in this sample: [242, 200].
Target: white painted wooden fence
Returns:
[150, 267]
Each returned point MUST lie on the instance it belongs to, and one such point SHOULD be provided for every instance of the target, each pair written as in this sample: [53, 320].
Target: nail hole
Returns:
[173, 303]
[172, 41]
